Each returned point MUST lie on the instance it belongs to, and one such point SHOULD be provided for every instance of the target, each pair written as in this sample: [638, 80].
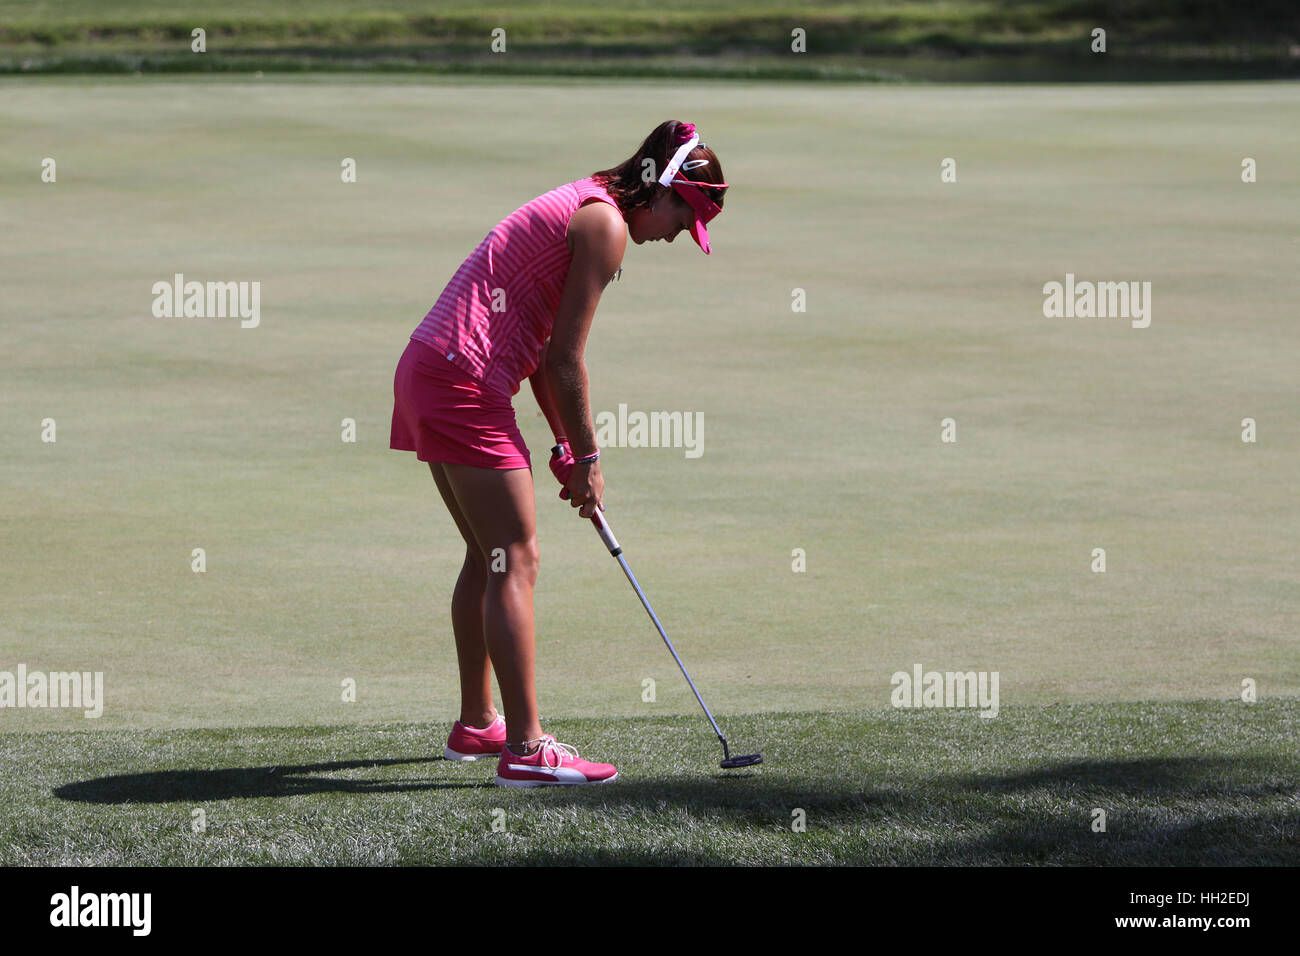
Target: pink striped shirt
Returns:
[495, 315]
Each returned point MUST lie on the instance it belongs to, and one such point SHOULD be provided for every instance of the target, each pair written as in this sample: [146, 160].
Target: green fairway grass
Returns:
[765, 39]
[330, 562]
[1206, 783]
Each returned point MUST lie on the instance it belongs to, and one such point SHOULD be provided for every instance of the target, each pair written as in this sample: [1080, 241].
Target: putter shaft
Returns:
[607, 535]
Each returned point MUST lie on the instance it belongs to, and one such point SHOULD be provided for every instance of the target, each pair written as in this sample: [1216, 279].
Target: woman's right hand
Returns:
[586, 489]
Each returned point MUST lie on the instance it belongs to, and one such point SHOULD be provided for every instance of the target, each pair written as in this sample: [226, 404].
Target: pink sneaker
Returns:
[470, 743]
[554, 764]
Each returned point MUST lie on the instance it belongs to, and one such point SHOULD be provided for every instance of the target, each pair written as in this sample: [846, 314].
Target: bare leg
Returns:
[476, 707]
[497, 507]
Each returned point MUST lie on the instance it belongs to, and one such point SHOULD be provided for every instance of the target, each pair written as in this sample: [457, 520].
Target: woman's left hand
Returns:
[562, 465]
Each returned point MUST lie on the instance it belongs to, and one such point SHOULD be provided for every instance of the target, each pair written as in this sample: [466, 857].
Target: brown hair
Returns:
[625, 182]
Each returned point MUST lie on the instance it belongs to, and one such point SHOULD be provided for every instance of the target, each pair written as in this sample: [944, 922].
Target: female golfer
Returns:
[520, 307]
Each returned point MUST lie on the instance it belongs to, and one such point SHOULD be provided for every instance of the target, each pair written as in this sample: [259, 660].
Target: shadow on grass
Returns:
[1165, 811]
[1146, 837]
[168, 786]
[1183, 810]
[1134, 777]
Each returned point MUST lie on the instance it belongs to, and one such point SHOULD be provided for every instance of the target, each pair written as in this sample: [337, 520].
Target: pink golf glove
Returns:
[562, 466]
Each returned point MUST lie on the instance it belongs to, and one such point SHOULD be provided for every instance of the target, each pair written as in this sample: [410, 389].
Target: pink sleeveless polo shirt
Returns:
[495, 315]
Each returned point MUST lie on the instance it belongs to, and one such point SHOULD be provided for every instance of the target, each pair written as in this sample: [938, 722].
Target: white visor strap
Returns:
[682, 152]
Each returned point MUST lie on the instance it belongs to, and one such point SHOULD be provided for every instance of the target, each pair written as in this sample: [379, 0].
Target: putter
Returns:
[728, 762]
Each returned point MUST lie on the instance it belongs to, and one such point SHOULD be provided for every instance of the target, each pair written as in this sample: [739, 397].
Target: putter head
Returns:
[745, 760]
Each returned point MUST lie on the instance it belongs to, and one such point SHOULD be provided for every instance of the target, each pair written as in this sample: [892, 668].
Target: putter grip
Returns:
[606, 535]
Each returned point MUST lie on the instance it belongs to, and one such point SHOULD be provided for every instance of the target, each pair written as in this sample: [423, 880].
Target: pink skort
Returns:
[443, 414]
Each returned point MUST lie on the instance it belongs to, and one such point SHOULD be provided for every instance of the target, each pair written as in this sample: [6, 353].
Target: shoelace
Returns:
[552, 746]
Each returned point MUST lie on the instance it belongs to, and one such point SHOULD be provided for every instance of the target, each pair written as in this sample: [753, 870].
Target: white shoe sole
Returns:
[505, 782]
[450, 754]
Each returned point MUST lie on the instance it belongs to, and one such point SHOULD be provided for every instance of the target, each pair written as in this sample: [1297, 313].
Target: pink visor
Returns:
[692, 191]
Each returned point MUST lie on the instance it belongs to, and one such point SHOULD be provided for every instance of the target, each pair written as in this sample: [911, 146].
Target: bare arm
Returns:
[546, 397]
[599, 239]
[570, 388]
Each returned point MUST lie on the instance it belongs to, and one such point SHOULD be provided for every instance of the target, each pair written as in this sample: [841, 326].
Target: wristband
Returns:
[587, 459]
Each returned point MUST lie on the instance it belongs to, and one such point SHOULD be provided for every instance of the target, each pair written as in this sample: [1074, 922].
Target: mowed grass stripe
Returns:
[1195, 783]
[329, 561]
